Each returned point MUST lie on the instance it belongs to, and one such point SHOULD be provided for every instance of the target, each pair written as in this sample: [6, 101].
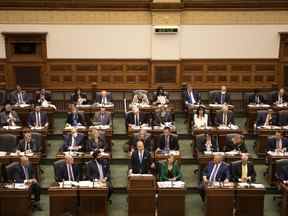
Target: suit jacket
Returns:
[261, 118]
[91, 145]
[105, 120]
[148, 142]
[173, 142]
[136, 166]
[92, 171]
[219, 118]
[283, 118]
[68, 141]
[283, 173]
[196, 96]
[217, 98]
[131, 120]
[237, 171]
[230, 146]
[63, 173]
[79, 119]
[158, 119]
[252, 99]
[14, 97]
[164, 176]
[272, 143]
[202, 146]
[222, 174]
[19, 175]
[33, 145]
[275, 97]
[4, 116]
[32, 119]
[38, 99]
[99, 98]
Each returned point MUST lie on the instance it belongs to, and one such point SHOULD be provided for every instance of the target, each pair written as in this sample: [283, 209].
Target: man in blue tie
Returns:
[70, 171]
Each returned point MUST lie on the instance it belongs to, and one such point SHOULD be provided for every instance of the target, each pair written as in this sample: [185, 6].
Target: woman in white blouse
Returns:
[200, 118]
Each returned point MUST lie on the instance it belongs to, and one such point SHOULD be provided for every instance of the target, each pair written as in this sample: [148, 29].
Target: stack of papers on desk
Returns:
[37, 128]
[3, 153]
[103, 127]
[11, 127]
[259, 105]
[83, 106]
[275, 153]
[232, 153]
[171, 184]
[20, 186]
[232, 127]
[77, 127]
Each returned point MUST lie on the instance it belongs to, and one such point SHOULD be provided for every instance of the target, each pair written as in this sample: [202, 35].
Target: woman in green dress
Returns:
[169, 170]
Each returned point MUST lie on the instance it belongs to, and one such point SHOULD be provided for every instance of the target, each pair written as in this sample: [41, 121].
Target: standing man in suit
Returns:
[24, 173]
[99, 169]
[222, 97]
[9, 117]
[74, 118]
[135, 117]
[102, 117]
[167, 141]
[243, 171]
[224, 117]
[19, 96]
[235, 144]
[73, 141]
[37, 118]
[141, 161]
[191, 96]
[280, 97]
[28, 144]
[266, 118]
[256, 98]
[216, 171]
[70, 171]
[103, 97]
[144, 136]
[278, 143]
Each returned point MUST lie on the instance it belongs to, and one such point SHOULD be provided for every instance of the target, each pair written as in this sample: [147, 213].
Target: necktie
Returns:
[214, 173]
[100, 169]
[225, 119]
[136, 120]
[167, 146]
[73, 141]
[27, 146]
[244, 171]
[257, 100]
[140, 156]
[70, 173]
[222, 98]
[279, 146]
[20, 98]
[26, 173]
[192, 98]
[39, 119]
[75, 119]
[102, 117]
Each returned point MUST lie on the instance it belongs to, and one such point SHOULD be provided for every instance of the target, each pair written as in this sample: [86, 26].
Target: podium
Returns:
[219, 200]
[141, 195]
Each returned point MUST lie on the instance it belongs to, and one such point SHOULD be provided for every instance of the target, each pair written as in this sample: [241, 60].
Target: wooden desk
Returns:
[15, 202]
[271, 159]
[250, 201]
[284, 204]
[219, 201]
[82, 157]
[171, 202]
[153, 131]
[252, 110]
[161, 156]
[78, 201]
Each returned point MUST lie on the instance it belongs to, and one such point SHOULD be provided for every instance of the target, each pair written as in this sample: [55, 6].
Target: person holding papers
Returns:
[208, 144]
[200, 118]
[161, 117]
[96, 141]
[102, 117]
[167, 141]
[135, 118]
[266, 118]
[140, 98]
[280, 97]
[103, 97]
[191, 96]
[70, 171]
[222, 97]
[9, 117]
[169, 170]
[73, 141]
[235, 144]
[243, 171]
[216, 171]
[256, 98]
[225, 117]
[37, 118]
[28, 144]
[75, 118]
[24, 173]
[160, 97]
[99, 170]
[277, 143]
[19, 96]
[141, 160]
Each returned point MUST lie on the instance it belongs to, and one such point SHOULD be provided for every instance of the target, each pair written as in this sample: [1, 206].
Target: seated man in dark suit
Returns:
[216, 171]
[43, 97]
[224, 117]
[191, 96]
[222, 97]
[24, 173]
[19, 96]
[256, 98]
[37, 118]
[73, 141]
[96, 141]
[9, 117]
[283, 174]
[70, 171]
[277, 143]
[27, 144]
[99, 169]
[208, 144]
[102, 117]
[135, 118]
[75, 118]
[235, 144]
[78, 97]
[280, 97]
[145, 137]
[162, 116]
[243, 171]
[167, 141]
[266, 118]
[141, 160]
[103, 97]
